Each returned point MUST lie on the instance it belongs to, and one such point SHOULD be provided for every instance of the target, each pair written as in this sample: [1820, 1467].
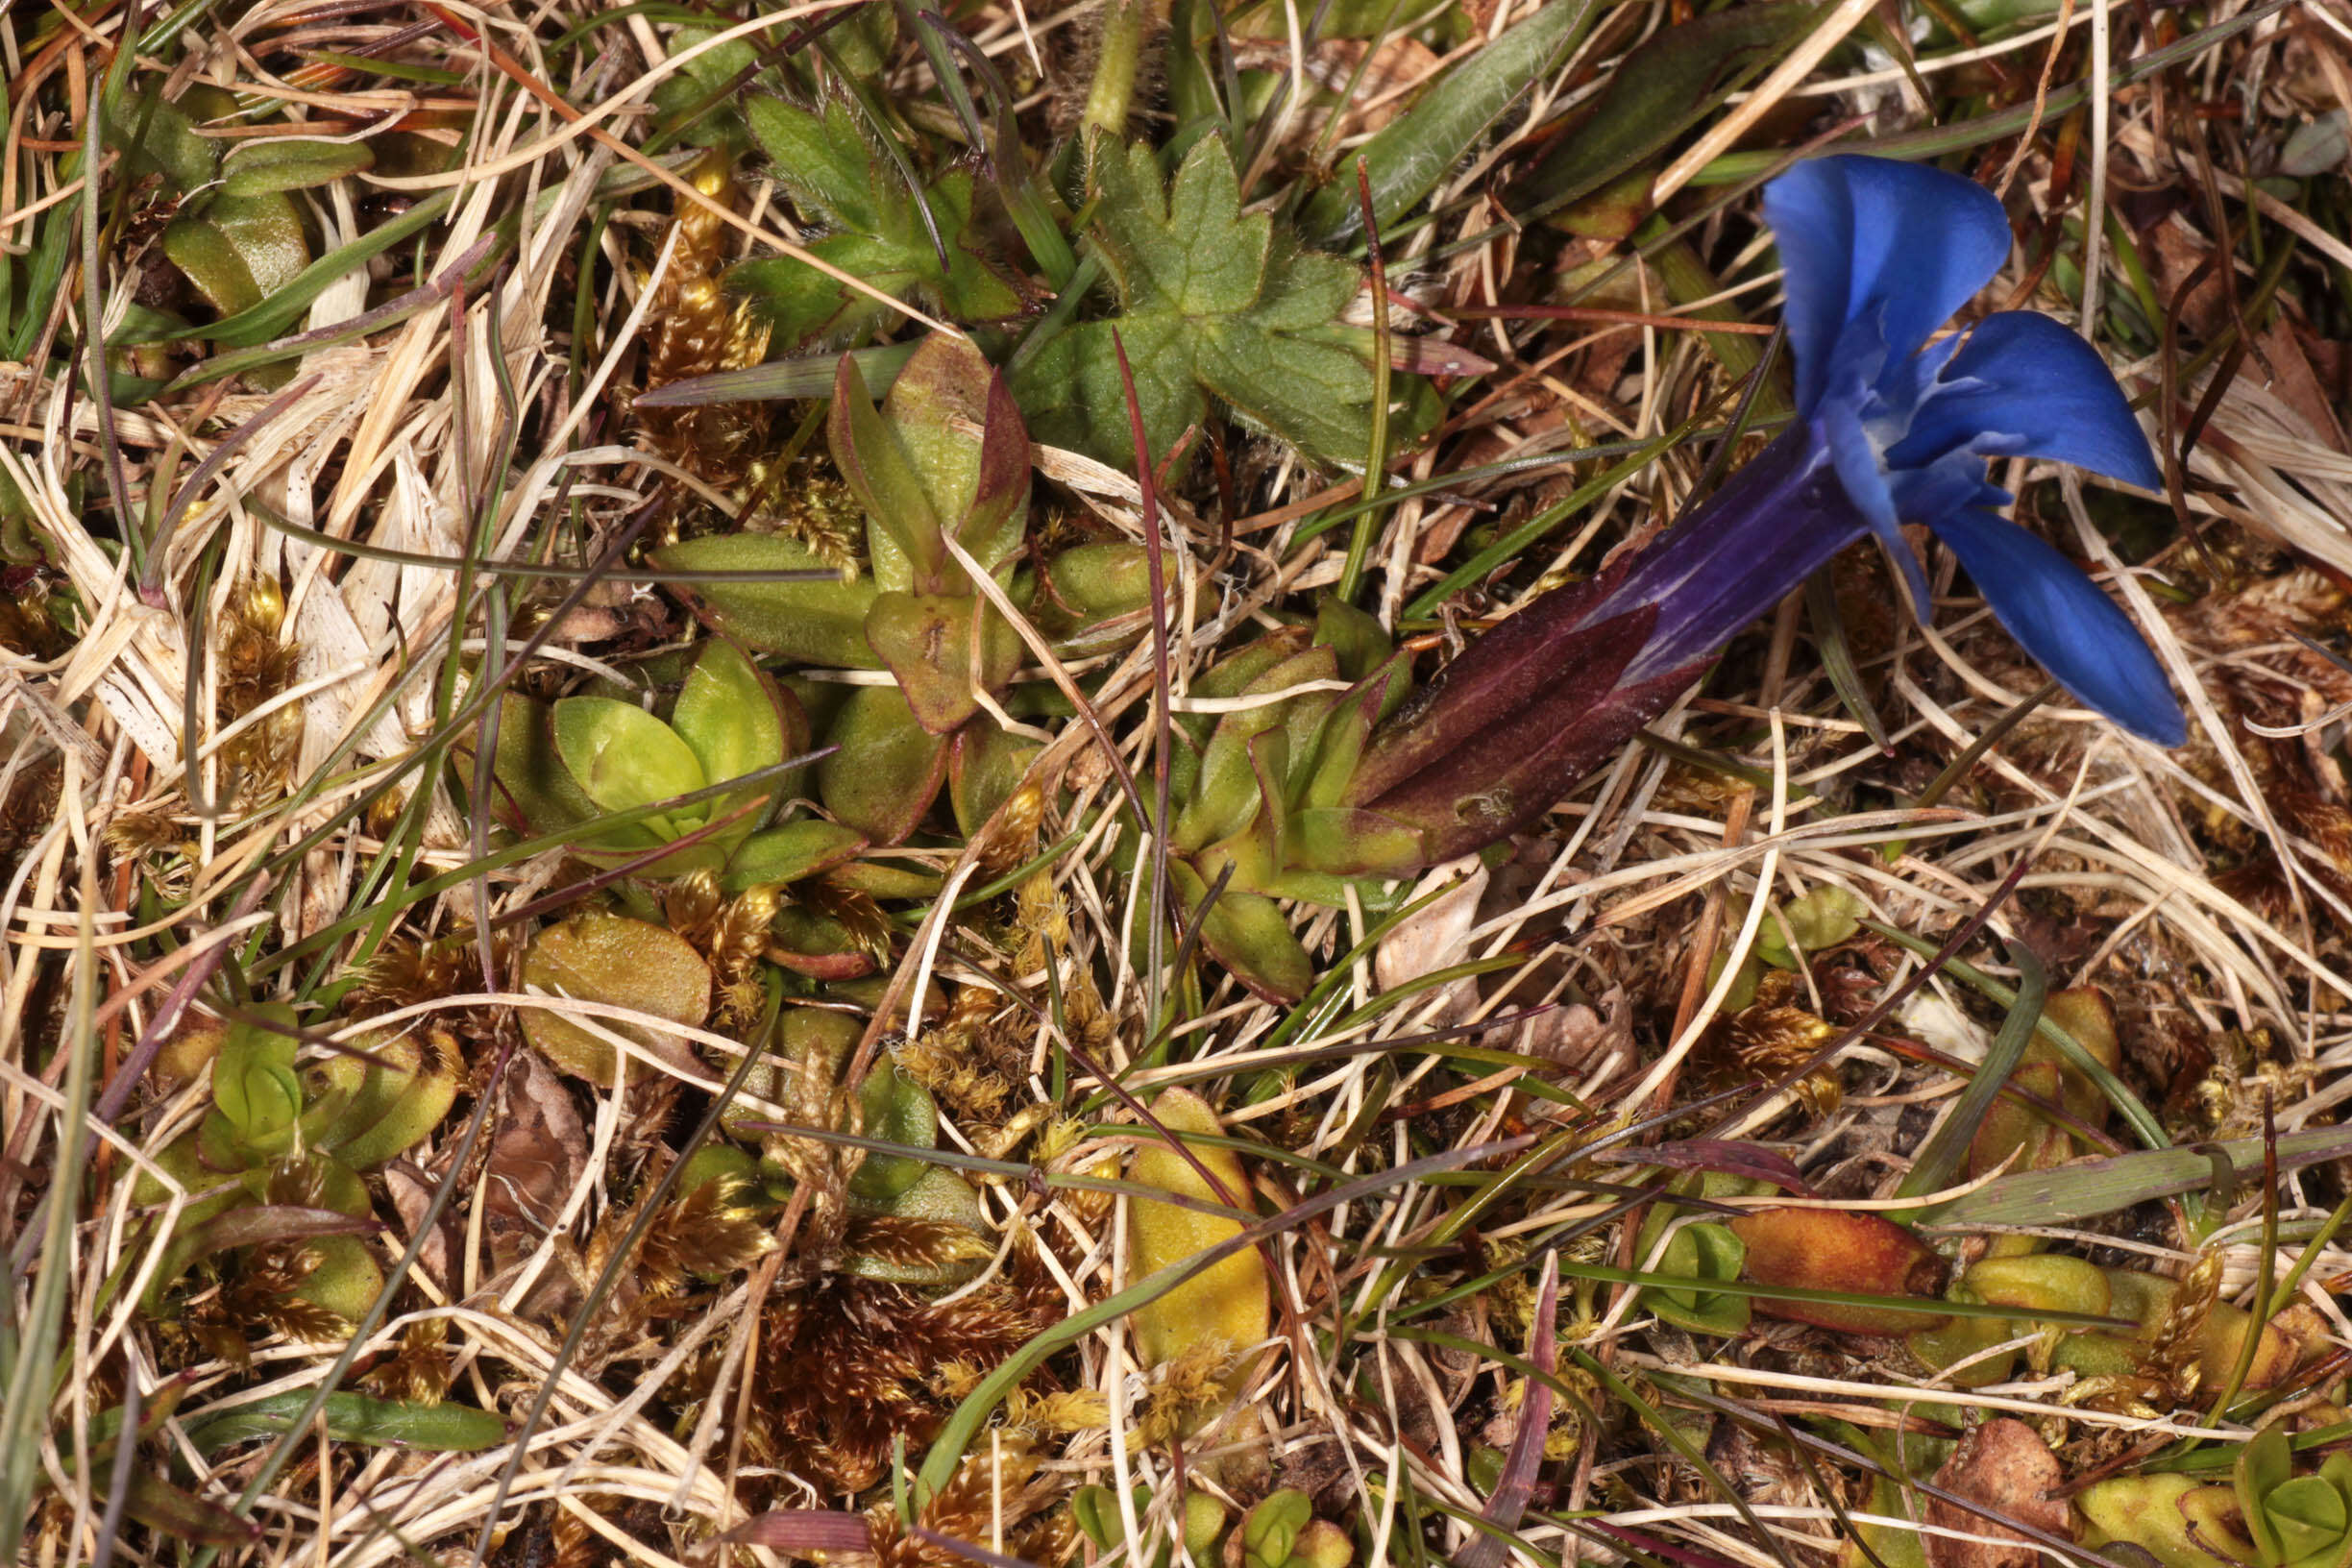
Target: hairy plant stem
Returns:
[1119, 60]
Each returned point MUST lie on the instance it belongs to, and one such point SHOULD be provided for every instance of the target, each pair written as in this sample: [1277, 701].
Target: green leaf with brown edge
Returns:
[808, 623]
[239, 250]
[1345, 841]
[258, 168]
[1836, 1249]
[902, 517]
[600, 957]
[927, 640]
[978, 486]
[885, 768]
[2150, 1301]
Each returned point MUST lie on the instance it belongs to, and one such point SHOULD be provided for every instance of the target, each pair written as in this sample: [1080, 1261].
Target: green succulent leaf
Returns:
[1246, 933]
[1822, 918]
[601, 957]
[344, 1277]
[621, 756]
[2308, 1515]
[364, 1112]
[1272, 1527]
[893, 1109]
[1212, 302]
[2175, 1519]
[240, 249]
[161, 138]
[1701, 1252]
[984, 766]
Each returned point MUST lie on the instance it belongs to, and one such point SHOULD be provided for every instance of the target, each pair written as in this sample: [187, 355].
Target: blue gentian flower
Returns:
[1888, 431]
[1877, 255]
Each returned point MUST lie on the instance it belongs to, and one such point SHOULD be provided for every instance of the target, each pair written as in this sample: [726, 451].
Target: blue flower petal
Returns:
[2062, 619]
[1865, 483]
[2026, 384]
[1949, 484]
[1868, 236]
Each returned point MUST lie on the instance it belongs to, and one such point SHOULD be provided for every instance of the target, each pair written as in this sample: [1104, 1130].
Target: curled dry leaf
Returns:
[1436, 936]
[2006, 1470]
[535, 1159]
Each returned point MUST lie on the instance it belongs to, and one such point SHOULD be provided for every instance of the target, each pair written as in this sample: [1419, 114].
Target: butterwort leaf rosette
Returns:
[1890, 429]
[2267, 1517]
